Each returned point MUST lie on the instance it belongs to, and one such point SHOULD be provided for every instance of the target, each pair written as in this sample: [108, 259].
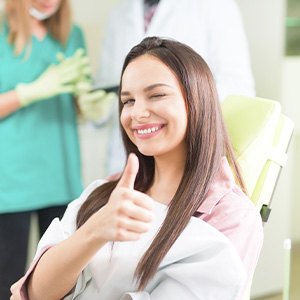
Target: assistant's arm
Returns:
[9, 103]
[56, 79]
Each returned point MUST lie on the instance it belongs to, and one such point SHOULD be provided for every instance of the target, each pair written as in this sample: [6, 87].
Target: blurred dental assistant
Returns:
[213, 28]
[39, 153]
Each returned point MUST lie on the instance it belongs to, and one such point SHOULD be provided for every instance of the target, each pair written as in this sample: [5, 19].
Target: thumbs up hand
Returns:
[128, 213]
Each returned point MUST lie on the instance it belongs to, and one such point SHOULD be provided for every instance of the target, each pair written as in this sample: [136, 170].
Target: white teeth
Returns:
[147, 131]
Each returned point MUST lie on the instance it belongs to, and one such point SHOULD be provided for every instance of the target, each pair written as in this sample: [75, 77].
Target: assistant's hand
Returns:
[128, 213]
[96, 105]
[56, 79]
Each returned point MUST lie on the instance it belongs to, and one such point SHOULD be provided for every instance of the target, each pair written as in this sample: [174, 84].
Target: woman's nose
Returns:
[140, 110]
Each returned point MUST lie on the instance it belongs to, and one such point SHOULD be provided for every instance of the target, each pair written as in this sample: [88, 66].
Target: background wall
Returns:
[264, 25]
[291, 95]
[92, 15]
[276, 78]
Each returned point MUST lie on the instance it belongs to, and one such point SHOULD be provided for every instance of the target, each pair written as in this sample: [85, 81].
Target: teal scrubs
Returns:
[39, 145]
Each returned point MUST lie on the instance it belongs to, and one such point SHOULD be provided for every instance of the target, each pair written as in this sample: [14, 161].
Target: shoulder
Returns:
[69, 218]
[76, 29]
[76, 32]
[84, 195]
[59, 230]
[239, 220]
[237, 200]
[76, 39]
[91, 187]
[233, 209]
[236, 217]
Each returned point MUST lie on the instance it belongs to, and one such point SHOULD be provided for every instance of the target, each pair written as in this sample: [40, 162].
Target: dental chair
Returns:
[260, 135]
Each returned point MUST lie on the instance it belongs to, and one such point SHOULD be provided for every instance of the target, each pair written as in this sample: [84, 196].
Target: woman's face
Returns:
[48, 7]
[154, 114]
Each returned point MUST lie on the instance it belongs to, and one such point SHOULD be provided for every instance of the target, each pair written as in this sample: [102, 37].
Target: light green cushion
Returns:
[251, 123]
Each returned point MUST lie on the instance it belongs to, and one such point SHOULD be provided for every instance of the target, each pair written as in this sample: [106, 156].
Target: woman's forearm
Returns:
[59, 268]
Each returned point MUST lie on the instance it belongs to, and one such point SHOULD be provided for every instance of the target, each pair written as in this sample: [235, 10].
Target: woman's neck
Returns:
[167, 177]
[39, 29]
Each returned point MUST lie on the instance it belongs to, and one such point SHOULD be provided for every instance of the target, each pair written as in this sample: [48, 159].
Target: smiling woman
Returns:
[154, 112]
[177, 214]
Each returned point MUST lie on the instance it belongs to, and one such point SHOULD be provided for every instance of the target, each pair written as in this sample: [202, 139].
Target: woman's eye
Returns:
[158, 95]
[128, 101]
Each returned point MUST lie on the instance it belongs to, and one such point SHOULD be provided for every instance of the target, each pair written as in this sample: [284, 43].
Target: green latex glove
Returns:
[56, 79]
[85, 68]
[96, 105]
[83, 86]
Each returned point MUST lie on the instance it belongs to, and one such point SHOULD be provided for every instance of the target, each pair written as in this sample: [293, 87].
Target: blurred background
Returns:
[273, 32]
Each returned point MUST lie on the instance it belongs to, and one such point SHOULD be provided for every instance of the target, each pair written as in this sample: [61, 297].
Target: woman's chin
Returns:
[147, 152]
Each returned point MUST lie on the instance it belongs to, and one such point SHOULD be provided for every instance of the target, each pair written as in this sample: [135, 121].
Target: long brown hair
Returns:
[206, 140]
[18, 18]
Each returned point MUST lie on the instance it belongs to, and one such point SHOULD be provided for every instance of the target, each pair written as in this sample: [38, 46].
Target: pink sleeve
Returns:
[24, 280]
[53, 235]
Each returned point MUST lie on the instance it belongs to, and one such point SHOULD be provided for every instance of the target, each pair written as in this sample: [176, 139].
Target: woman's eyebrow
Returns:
[153, 86]
[148, 88]
[124, 93]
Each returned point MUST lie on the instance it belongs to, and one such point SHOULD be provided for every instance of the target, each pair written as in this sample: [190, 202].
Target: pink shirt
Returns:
[230, 211]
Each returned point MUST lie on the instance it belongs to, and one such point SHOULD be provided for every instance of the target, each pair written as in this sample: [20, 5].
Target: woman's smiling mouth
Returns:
[147, 131]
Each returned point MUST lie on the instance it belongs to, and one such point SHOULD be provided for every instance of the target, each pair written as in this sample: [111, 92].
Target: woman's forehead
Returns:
[146, 70]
